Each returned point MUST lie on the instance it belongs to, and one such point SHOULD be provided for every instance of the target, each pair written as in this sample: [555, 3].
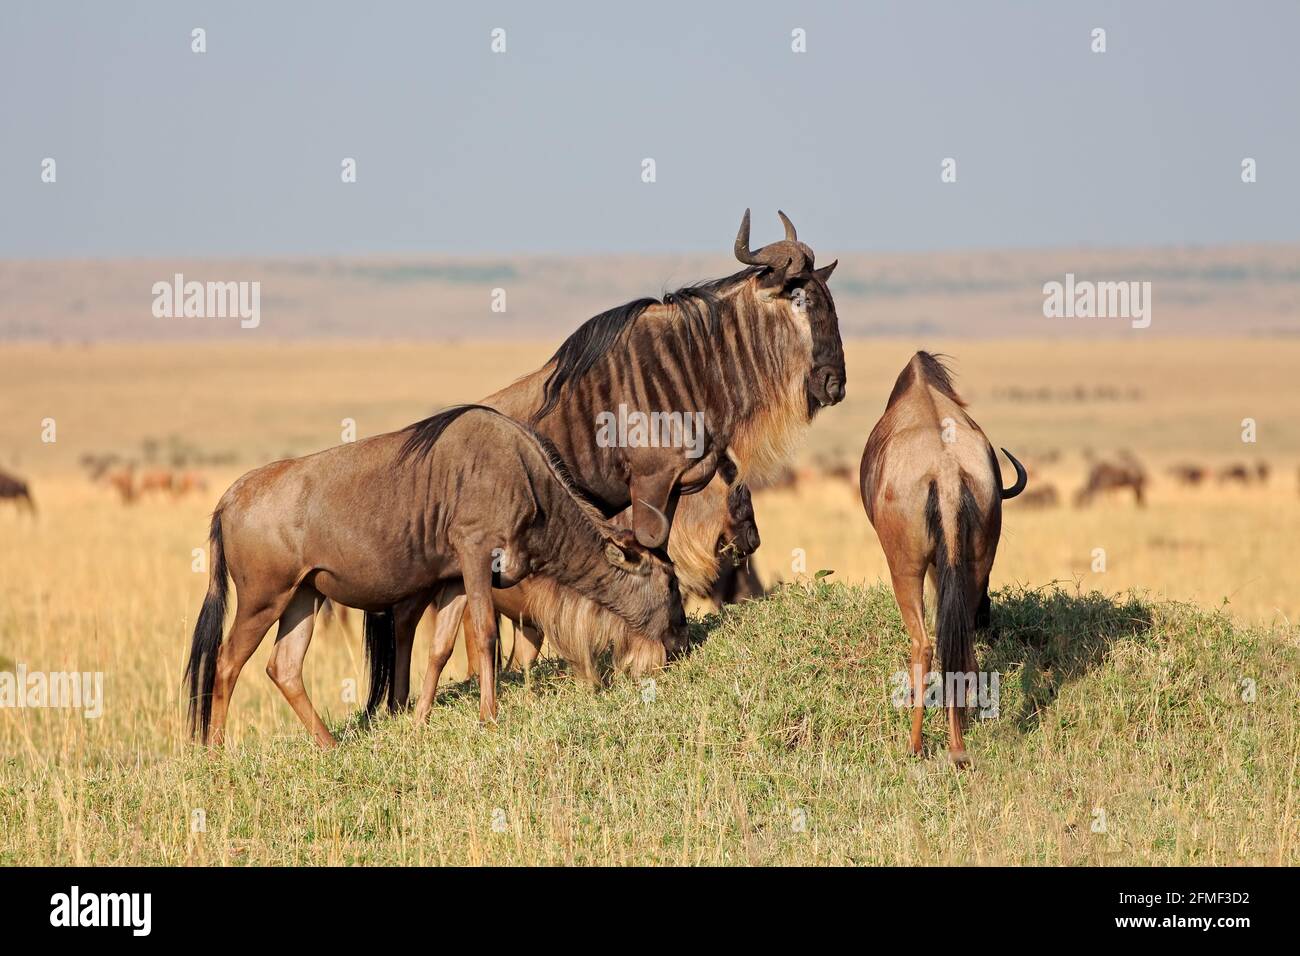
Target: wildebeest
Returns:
[466, 495]
[1244, 474]
[733, 531]
[1124, 472]
[754, 356]
[15, 490]
[1188, 474]
[1041, 496]
[932, 489]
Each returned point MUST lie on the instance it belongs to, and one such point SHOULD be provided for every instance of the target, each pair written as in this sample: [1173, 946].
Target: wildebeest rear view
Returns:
[931, 486]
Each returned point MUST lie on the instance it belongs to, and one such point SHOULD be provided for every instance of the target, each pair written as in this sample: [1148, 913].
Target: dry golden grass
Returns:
[1166, 400]
[784, 708]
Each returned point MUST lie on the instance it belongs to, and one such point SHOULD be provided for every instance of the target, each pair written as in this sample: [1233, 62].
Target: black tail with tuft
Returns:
[954, 620]
[381, 656]
[201, 671]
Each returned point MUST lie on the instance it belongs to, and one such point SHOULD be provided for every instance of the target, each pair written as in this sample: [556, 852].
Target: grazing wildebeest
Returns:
[1124, 472]
[16, 490]
[733, 530]
[755, 355]
[466, 495]
[1235, 472]
[932, 489]
[1188, 474]
[1042, 496]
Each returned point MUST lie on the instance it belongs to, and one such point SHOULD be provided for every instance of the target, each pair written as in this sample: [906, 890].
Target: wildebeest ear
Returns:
[625, 559]
[773, 280]
[824, 273]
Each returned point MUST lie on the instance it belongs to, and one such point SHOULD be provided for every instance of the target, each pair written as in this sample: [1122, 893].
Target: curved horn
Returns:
[789, 226]
[743, 252]
[659, 536]
[785, 256]
[1022, 478]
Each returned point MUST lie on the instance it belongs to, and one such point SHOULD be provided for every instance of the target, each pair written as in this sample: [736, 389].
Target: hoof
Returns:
[959, 758]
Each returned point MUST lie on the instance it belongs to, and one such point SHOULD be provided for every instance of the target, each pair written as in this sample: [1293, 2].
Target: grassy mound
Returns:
[1128, 732]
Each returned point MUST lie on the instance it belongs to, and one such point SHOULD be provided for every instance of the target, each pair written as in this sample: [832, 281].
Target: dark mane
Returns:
[696, 304]
[933, 372]
[425, 434]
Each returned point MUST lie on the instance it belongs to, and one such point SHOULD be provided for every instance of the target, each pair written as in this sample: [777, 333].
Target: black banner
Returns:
[341, 905]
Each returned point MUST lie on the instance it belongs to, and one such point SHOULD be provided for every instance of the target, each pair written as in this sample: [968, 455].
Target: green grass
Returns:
[774, 742]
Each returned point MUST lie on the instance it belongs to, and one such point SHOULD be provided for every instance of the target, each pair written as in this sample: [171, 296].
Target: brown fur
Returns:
[931, 488]
[16, 490]
[758, 352]
[468, 496]
[735, 537]
[1104, 476]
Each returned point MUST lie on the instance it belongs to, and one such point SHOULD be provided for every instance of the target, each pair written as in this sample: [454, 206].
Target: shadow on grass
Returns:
[1057, 637]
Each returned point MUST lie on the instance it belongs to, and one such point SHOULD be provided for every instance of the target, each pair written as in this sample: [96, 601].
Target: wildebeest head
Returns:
[662, 614]
[790, 275]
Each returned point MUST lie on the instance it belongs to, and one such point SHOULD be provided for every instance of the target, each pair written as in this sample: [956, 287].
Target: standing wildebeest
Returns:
[468, 494]
[1124, 472]
[932, 490]
[756, 354]
[16, 490]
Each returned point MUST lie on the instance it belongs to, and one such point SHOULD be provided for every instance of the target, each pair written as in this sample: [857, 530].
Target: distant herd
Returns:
[516, 506]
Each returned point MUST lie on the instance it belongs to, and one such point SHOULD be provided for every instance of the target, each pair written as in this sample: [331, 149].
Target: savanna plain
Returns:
[1149, 665]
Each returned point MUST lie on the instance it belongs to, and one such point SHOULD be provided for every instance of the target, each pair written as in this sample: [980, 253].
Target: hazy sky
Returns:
[161, 151]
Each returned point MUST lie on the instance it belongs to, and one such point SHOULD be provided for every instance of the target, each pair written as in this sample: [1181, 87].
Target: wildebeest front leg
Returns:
[476, 573]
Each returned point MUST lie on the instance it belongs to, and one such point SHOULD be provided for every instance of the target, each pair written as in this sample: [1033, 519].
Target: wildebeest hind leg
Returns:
[285, 667]
[909, 591]
[253, 618]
